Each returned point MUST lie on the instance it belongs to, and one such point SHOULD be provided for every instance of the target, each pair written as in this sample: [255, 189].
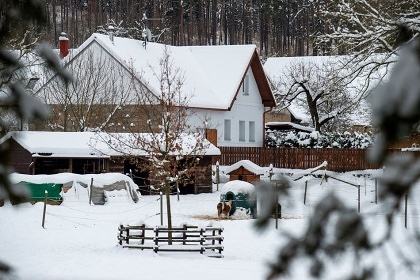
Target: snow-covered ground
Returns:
[79, 240]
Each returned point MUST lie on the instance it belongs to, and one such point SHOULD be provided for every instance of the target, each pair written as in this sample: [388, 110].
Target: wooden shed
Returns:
[245, 170]
[40, 152]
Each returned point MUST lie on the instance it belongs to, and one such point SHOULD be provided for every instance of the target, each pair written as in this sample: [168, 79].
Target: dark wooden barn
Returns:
[34, 152]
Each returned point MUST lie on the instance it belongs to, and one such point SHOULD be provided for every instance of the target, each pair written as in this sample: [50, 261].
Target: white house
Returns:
[226, 86]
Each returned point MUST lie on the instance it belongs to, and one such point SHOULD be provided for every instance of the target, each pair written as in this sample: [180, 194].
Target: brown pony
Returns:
[223, 208]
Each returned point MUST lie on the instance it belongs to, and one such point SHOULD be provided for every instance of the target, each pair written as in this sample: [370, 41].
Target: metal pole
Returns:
[45, 208]
[376, 190]
[358, 198]
[277, 211]
[90, 194]
[306, 187]
[405, 216]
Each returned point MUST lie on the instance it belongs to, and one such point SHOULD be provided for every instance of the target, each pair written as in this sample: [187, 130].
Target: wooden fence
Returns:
[340, 160]
[207, 240]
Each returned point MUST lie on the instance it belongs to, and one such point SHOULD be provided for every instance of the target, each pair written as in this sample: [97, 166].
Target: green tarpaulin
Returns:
[37, 191]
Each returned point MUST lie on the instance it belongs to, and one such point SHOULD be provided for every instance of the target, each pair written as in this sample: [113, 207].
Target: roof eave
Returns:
[263, 83]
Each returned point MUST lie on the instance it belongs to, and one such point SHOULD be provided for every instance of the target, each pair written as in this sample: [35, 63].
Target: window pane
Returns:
[252, 131]
[241, 130]
[245, 85]
[227, 130]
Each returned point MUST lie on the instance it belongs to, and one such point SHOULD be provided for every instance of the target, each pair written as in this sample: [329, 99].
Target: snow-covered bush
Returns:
[291, 139]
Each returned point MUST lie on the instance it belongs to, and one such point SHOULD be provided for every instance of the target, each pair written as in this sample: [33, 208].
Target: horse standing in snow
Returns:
[223, 208]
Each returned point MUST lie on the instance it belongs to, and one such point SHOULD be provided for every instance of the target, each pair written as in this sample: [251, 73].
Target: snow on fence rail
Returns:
[339, 159]
[207, 240]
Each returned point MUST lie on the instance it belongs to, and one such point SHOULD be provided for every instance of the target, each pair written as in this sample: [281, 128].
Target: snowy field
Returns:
[80, 240]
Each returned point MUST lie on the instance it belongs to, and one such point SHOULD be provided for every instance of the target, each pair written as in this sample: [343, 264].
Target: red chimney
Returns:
[64, 45]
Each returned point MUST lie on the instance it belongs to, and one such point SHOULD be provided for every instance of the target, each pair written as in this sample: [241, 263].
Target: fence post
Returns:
[45, 208]
[90, 193]
[161, 209]
[358, 198]
[184, 234]
[217, 175]
[405, 216]
[271, 171]
[306, 187]
[127, 230]
[120, 229]
[177, 188]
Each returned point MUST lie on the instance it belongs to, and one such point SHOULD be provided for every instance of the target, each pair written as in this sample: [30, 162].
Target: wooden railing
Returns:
[206, 240]
[340, 160]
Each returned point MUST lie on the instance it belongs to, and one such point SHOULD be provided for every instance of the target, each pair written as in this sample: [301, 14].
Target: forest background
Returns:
[277, 27]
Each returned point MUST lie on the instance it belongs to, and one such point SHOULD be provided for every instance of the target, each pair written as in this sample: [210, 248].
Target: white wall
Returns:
[245, 108]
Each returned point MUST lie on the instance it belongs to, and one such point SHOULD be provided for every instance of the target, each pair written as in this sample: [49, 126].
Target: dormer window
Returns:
[245, 85]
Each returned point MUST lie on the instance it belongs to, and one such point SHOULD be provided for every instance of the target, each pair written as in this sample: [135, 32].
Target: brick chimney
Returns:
[64, 45]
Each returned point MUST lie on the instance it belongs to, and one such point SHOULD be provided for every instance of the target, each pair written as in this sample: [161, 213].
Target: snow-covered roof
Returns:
[84, 144]
[213, 74]
[237, 187]
[248, 165]
[288, 125]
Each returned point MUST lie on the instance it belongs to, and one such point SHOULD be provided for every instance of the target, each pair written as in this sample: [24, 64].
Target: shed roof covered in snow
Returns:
[248, 165]
[213, 74]
[286, 126]
[89, 144]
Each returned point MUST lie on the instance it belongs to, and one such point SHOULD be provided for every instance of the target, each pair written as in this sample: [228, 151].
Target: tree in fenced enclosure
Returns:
[170, 148]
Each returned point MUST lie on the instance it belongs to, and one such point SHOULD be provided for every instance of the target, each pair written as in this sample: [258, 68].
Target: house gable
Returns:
[264, 88]
[213, 74]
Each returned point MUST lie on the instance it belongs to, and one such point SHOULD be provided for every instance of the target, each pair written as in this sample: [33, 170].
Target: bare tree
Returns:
[369, 31]
[321, 88]
[369, 27]
[171, 147]
[98, 99]
[26, 73]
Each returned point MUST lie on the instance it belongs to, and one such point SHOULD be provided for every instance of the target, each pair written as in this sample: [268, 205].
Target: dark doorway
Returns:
[51, 165]
[133, 169]
[187, 187]
[85, 166]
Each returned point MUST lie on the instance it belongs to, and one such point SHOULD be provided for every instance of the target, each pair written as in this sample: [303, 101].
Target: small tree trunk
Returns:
[168, 210]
